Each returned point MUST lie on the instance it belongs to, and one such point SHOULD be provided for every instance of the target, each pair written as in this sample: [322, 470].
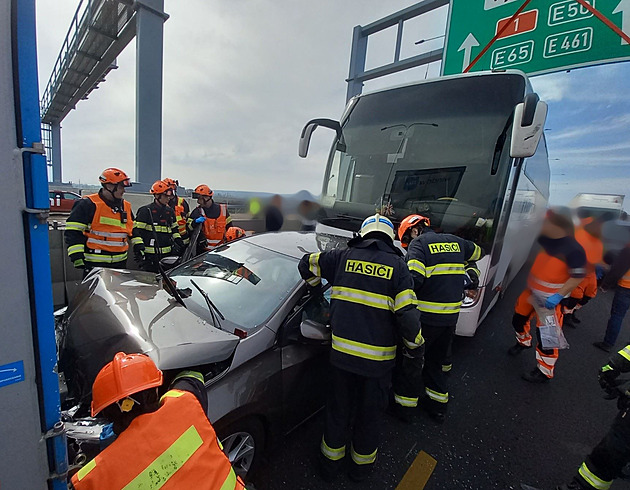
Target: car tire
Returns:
[243, 442]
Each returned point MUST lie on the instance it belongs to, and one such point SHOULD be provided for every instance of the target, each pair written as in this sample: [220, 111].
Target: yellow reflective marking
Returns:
[438, 248]
[230, 481]
[111, 221]
[418, 473]
[86, 469]
[369, 269]
[166, 464]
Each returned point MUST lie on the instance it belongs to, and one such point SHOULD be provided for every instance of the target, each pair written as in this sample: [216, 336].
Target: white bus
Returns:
[467, 151]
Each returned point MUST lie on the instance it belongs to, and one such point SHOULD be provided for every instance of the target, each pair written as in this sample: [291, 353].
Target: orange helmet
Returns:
[125, 375]
[234, 233]
[409, 222]
[172, 183]
[160, 187]
[113, 175]
[202, 190]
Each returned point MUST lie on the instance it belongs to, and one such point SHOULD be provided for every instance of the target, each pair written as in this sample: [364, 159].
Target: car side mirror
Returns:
[528, 126]
[311, 126]
[312, 330]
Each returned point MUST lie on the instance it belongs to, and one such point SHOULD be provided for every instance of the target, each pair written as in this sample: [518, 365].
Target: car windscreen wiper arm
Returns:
[348, 217]
[214, 311]
[170, 286]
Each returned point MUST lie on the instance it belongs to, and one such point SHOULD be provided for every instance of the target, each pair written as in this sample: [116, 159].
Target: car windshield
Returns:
[246, 282]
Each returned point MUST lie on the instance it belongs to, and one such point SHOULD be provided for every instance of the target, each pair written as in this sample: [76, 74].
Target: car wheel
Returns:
[243, 443]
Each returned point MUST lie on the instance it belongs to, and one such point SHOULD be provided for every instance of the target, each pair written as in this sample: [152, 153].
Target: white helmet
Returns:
[377, 223]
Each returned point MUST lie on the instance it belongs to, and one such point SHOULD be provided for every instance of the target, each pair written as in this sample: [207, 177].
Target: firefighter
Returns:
[158, 229]
[558, 269]
[438, 262]
[372, 305]
[619, 276]
[100, 225]
[212, 217]
[157, 440]
[233, 233]
[589, 236]
[181, 208]
[609, 457]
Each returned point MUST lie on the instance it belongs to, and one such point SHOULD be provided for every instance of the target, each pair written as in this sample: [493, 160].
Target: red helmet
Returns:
[409, 222]
[160, 187]
[113, 175]
[172, 183]
[125, 375]
[233, 233]
[202, 190]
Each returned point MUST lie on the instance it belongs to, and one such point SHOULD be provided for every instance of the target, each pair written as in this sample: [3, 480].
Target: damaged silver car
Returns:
[240, 314]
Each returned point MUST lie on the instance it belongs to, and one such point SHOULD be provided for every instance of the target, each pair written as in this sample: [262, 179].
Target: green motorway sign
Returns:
[546, 36]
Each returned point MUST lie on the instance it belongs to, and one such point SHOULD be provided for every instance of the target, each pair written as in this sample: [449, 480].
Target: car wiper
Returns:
[169, 286]
[214, 311]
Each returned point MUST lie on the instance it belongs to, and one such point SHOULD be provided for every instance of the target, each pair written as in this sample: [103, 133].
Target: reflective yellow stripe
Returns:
[417, 266]
[625, 352]
[436, 396]
[107, 259]
[366, 351]
[446, 368]
[313, 264]
[76, 226]
[405, 298]
[73, 249]
[158, 228]
[189, 374]
[151, 250]
[592, 479]
[111, 221]
[445, 269]
[431, 307]
[141, 226]
[82, 473]
[109, 234]
[166, 464]
[414, 345]
[363, 458]
[314, 281]
[476, 255]
[171, 394]
[362, 297]
[406, 401]
[136, 240]
[91, 242]
[330, 453]
[230, 481]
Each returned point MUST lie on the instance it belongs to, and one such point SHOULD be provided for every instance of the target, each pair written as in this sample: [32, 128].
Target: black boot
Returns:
[569, 320]
[516, 349]
[535, 376]
[572, 485]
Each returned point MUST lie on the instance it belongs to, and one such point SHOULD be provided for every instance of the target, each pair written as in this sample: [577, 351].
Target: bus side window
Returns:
[537, 169]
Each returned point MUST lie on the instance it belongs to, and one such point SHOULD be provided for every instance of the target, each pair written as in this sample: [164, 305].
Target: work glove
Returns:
[599, 272]
[78, 264]
[200, 220]
[179, 248]
[607, 380]
[552, 301]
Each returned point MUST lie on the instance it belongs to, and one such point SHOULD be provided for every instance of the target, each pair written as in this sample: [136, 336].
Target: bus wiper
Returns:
[214, 311]
[435, 125]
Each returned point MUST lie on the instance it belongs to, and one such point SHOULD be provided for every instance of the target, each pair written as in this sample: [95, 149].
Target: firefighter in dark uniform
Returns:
[372, 307]
[157, 227]
[100, 226]
[181, 208]
[440, 265]
[612, 454]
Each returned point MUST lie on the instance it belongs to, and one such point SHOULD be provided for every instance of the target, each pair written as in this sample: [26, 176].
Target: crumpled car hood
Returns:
[120, 310]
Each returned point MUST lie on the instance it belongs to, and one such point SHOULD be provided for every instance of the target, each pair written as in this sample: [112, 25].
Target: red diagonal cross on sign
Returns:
[604, 19]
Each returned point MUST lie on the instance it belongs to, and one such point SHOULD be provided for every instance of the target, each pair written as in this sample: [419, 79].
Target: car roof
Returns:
[292, 243]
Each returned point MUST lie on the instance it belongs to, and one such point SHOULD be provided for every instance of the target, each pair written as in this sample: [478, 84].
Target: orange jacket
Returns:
[548, 274]
[214, 229]
[180, 217]
[593, 247]
[107, 231]
[174, 447]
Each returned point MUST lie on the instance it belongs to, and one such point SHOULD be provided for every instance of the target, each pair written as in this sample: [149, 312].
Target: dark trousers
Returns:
[610, 456]
[618, 310]
[409, 380]
[365, 398]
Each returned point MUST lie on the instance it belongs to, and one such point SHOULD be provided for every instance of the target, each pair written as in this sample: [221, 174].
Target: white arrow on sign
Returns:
[8, 370]
[624, 9]
[470, 42]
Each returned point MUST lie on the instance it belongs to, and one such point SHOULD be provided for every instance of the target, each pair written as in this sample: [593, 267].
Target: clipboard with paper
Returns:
[551, 335]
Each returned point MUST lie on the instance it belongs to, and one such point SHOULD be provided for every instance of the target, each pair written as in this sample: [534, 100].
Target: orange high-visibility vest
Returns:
[172, 448]
[548, 274]
[593, 247]
[624, 282]
[107, 232]
[179, 216]
[214, 229]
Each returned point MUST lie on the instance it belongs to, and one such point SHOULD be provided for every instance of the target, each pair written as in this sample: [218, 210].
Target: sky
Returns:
[241, 78]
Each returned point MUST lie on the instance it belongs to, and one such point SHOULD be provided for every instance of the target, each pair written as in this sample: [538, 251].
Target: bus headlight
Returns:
[471, 298]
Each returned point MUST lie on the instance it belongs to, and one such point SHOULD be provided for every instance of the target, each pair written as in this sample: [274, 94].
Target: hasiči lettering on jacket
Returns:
[369, 269]
[437, 248]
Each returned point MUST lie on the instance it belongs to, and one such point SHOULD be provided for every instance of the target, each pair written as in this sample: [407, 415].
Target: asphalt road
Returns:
[501, 431]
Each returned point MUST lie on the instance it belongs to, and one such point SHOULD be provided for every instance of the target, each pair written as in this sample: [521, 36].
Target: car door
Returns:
[305, 365]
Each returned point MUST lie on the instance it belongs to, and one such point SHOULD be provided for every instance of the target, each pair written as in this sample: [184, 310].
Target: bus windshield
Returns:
[440, 149]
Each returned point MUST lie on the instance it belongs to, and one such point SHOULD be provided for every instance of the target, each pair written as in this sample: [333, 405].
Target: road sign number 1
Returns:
[524, 22]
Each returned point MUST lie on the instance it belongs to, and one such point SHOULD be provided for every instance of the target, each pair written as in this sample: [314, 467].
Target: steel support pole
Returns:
[55, 129]
[150, 19]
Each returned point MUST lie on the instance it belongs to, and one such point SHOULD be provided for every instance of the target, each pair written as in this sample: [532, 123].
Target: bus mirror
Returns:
[529, 124]
[307, 132]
